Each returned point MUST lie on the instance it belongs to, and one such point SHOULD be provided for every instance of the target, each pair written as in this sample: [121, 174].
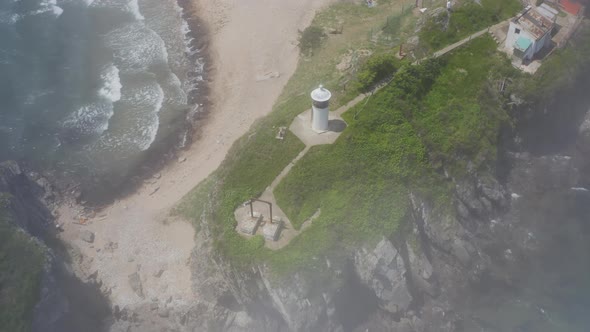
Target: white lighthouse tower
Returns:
[319, 114]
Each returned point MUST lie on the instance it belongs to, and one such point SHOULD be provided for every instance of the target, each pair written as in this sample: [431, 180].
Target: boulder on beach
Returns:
[87, 236]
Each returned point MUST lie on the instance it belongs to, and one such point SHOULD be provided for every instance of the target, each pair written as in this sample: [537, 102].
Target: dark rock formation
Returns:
[384, 271]
[27, 206]
[87, 236]
[431, 279]
[66, 303]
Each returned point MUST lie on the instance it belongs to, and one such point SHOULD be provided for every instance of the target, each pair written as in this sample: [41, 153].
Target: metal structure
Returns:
[252, 200]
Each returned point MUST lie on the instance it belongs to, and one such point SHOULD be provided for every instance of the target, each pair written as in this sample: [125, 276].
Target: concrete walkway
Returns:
[460, 43]
[300, 127]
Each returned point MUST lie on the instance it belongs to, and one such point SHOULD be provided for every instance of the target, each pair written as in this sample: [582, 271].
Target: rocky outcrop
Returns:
[65, 302]
[479, 198]
[384, 271]
[583, 148]
[583, 141]
[28, 198]
[417, 281]
[300, 309]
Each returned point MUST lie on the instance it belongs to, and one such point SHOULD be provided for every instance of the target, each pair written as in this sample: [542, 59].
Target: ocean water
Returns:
[91, 88]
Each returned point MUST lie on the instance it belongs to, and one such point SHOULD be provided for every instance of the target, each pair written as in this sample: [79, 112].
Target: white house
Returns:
[529, 32]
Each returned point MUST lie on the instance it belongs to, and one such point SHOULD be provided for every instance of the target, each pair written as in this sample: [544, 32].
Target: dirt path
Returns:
[254, 54]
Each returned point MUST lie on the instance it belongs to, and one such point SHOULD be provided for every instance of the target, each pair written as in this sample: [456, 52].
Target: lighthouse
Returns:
[319, 115]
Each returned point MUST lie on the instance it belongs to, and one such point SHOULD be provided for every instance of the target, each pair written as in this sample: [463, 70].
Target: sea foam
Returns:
[90, 119]
[129, 6]
[49, 6]
[111, 88]
[136, 47]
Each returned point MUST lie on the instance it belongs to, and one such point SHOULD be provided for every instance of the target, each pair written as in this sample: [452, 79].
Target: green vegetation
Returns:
[427, 115]
[311, 39]
[257, 158]
[464, 20]
[376, 69]
[440, 117]
[460, 117]
[440, 112]
[559, 70]
[395, 23]
[252, 163]
[21, 265]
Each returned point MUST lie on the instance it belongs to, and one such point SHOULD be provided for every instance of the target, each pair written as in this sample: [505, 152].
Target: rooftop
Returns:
[548, 11]
[321, 94]
[534, 23]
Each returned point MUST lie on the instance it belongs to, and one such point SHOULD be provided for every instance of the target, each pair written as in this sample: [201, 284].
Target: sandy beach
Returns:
[253, 49]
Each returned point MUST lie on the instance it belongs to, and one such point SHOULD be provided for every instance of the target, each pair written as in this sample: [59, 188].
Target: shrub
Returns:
[4, 200]
[377, 68]
[311, 39]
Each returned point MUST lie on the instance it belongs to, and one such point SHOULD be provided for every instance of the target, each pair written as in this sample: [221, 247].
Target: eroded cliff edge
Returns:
[65, 303]
[446, 271]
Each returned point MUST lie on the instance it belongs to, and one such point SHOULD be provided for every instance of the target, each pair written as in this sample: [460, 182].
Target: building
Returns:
[571, 6]
[530, 31]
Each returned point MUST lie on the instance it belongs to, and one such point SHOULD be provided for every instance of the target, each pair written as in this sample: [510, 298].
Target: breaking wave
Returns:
[97, 82]
[136, 47]
[111, 89]
[91, 119]
[128, 6]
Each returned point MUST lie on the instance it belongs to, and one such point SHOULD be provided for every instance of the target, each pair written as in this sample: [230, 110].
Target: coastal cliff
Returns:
[63, 302]
[434, 277]
[492, 252]
[442, 272]
[488, 253]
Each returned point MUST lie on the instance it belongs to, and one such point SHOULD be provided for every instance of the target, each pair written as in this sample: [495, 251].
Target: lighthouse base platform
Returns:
[301, 127]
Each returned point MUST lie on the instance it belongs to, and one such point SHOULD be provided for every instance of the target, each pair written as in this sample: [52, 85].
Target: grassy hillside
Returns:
[21, 265]
[440, 112]
[464, 20]
[257, 158]
[438, 116]
[443, 112]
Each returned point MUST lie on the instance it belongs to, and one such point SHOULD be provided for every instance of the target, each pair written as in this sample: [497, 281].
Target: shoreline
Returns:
[167, 149]
[135, 235]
